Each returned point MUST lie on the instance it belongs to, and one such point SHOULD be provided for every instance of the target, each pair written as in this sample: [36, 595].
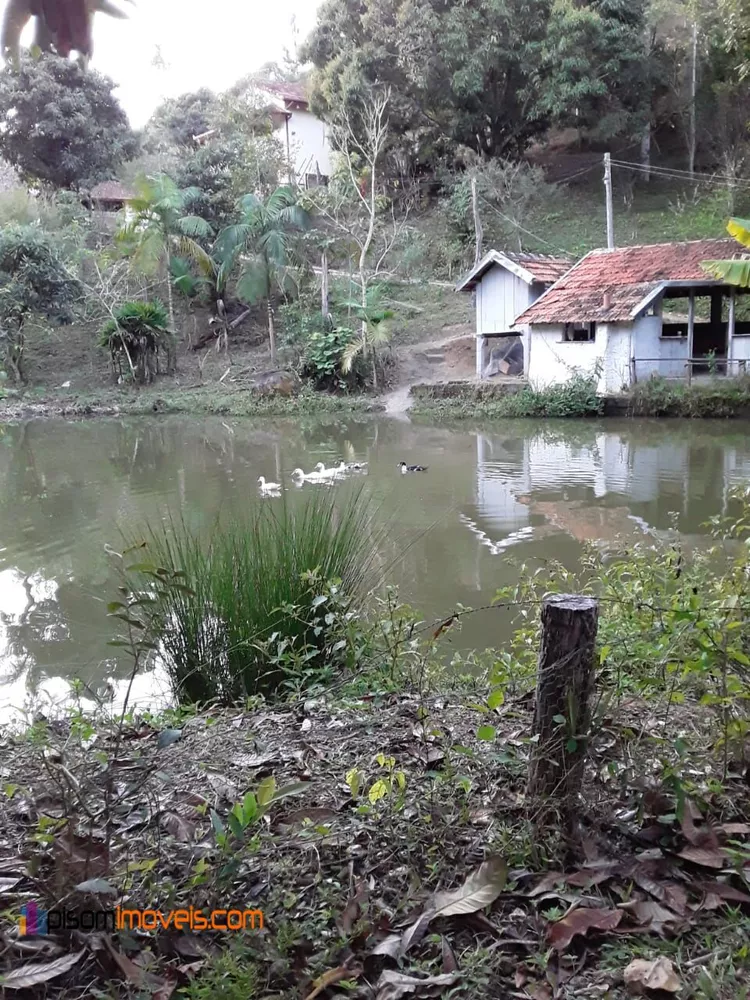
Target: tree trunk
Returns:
[271, 331]
[478, 229]
[562, 710]
[170, 296]
[324, 305]
[646, 151]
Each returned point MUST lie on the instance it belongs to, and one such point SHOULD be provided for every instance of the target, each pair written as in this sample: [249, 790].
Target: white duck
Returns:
[316, 476]
[268, 488]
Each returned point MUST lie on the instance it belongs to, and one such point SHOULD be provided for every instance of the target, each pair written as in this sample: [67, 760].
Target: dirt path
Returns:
[450, 359]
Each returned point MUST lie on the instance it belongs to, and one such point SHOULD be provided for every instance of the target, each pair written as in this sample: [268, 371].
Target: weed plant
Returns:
[265, 594]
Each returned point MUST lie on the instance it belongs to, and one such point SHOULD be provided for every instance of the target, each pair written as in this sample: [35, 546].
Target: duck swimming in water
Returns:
[411, 468]
[268, 487]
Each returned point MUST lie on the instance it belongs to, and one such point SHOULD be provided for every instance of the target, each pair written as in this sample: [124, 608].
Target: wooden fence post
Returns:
[562, 712]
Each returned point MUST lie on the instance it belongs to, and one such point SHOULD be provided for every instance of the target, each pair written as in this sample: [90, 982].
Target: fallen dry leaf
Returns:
[38, 972]
[393, 985]
[547, 882]
[390, 946]
[132, 972]
[414, 933]
[179, 827]
[353, 909]
[652, 916]
[581, 921]
[641, 976]
[705, 857]
[723, 892]
[450, 963]
[329, 978]
[735, 829]
[316, 814]
[80, 858]
[480, 889]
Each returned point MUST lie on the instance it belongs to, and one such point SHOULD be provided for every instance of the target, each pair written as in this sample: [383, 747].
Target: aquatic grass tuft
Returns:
[255, 585]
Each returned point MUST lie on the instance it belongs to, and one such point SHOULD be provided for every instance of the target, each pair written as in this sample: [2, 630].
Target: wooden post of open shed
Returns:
[563, 711]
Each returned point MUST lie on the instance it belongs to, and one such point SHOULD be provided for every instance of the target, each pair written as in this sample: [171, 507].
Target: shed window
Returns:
[579, 332]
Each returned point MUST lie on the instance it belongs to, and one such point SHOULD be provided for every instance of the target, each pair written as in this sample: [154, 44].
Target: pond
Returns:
[494, 496]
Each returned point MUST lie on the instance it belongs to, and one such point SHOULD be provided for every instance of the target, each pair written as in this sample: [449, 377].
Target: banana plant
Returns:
[733, 272]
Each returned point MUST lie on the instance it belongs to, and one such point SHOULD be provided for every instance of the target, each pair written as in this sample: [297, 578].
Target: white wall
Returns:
[501, 297]
[551, 360]
[616, 372]
[308, 144]
[740, 350]
[649, 343]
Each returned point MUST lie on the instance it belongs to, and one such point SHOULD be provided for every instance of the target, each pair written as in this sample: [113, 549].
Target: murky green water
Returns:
[512, 491]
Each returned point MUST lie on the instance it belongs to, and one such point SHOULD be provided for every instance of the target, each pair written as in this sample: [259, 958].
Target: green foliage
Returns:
[179, 119]
[596, 68]
[135, 337]
[33, 280]
[262, 246]
[231, 975]
[323, 357]
[660, 397]
[161, 228]
[60, 125]
[671, 624]
[576, 398]
[259, 608]
[733, 272]
[459, 73]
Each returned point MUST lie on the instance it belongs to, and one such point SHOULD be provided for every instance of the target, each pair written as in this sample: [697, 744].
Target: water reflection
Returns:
[536, 491]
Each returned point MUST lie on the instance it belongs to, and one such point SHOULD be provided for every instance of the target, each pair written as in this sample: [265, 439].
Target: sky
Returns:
[167, 47]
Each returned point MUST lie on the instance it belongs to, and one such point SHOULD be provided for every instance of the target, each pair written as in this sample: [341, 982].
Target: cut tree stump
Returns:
[562, 712]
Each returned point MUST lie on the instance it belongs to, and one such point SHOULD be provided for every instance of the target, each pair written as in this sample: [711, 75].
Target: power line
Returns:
[523, 229]
[673, 173]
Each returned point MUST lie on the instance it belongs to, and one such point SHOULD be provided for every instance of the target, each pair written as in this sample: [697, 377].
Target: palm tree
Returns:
[159, 230]
[137, 333]
[733, 272]
[262, 243]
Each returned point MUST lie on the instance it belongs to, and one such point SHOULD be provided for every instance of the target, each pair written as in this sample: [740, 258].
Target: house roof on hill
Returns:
[293, 93]
[530, 267]
[112, 191]
[616, 285]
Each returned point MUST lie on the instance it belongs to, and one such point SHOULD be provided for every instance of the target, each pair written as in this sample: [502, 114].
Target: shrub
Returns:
[264, 595]
[135, 337]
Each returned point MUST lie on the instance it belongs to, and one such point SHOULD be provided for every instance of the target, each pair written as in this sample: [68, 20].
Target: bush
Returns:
[264, 596]
[576, 398]
[660, 397]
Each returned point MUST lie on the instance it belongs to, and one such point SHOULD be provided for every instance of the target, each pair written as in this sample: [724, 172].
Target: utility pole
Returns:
[610, 206]
[693, 98]
[478, 229]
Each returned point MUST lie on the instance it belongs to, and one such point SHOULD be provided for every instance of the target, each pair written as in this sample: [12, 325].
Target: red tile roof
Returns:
[294, 93]
[543, 267]
[539, 267]
[112, 191]
[607, 285]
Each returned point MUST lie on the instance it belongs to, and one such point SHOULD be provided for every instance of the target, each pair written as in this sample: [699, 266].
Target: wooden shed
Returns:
[110, 196]
[506, 285]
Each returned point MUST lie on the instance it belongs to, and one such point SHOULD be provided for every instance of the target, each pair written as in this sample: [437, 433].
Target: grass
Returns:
[264, 596]
[210, 400]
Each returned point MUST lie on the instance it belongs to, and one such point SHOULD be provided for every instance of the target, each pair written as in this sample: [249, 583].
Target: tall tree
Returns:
[60, 125]
[595, 67]
[160, 229]
[462, 72]
[262, 244]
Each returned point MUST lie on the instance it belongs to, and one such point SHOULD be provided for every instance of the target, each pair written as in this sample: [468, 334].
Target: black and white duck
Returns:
[411, 468]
